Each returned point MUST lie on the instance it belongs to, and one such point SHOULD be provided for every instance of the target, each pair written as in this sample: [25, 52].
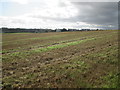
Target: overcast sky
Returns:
[59, 14]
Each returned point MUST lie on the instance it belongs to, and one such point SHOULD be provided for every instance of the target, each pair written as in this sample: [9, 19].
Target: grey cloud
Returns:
[101, 13]
[61, 4]
[97, 13]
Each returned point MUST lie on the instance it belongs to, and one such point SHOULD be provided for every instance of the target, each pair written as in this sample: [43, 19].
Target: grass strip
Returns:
[38, 50]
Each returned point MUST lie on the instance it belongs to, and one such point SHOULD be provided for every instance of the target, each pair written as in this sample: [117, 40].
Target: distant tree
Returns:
[63, 30]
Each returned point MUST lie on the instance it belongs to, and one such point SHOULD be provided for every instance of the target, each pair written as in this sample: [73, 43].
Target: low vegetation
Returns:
[86, 59]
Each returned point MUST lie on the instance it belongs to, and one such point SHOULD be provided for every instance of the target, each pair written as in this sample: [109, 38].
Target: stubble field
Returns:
[84, 59]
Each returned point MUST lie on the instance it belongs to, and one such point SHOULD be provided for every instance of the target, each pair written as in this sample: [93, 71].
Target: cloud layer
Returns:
[59, 14]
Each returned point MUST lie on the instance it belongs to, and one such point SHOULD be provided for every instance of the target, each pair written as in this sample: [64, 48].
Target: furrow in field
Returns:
[66, 63]
[60, 44]
[77, 62]
[50, 47]
[41, 46]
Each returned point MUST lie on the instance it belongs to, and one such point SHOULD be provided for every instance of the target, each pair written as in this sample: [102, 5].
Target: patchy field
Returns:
[65, 60]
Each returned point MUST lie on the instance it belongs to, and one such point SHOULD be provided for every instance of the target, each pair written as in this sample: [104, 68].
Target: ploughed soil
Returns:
[92, 63]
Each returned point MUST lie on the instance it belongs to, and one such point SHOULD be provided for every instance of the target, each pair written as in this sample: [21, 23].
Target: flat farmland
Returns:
[84, 59]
